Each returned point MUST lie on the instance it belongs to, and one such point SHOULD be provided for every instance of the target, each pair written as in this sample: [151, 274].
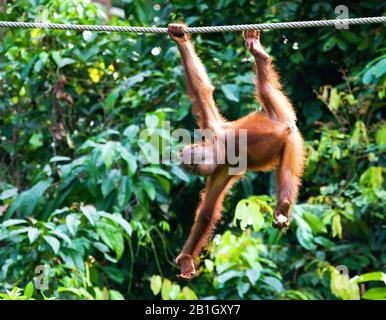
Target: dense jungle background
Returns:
[81, 217]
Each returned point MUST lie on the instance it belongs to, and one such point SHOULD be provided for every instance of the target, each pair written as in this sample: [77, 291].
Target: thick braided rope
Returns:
[242, 27]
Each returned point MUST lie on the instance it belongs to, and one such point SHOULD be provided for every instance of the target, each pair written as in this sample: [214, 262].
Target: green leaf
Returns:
[380, 68]
[337, 226]
[100, 294]
[36, 140]
[62, 236]
[29, 290]
[231, 92]
[329, 44]
[249, 213]
[131, 132]
[117, 218]
[341, 44]
[41, 62]
[13, 222]
[372, 178]
[27, 200]
[371, 276]
[143, 11]
[137, 78]
[108, 153]
[305, 238]
[273, 284]
[324, 242]
[180, 173]
[59, 158]
[157, 171]
[85, 294]
[72, 222]
[314, 222]
[335, 100]
[33, 234]
[155, 284]
[359, 135]
[71, 290]
[175, 292]
[124, 192]
[111, 100]
[151, 121]
[110, 181]
[112, 237]
[242, 288]
[253, 275]
[297, 57]
[60, 61]
[209, 265]
[188, 294]
[115, 274]
[116, 295]
[226, 276]
[101, 247]
[90, 213]
[130, 160]
[375, 294]
[27, 68]
[368, 77]
[9, 193]
[380, 137]
[53, 242]
[149, 189]
[166, 289]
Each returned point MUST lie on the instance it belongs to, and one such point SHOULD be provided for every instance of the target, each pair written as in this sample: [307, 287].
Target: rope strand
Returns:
[230, 28]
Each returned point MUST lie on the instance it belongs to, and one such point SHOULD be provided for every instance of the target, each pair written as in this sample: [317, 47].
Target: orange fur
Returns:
[273, 141]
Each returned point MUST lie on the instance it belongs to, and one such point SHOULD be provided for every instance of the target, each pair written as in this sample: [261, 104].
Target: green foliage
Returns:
[170, 290]
[77, 197]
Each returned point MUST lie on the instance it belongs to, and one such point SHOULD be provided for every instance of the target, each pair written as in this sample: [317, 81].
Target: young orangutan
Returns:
[273, 142]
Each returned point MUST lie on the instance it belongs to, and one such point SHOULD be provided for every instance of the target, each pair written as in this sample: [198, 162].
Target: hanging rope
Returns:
[241, 27]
